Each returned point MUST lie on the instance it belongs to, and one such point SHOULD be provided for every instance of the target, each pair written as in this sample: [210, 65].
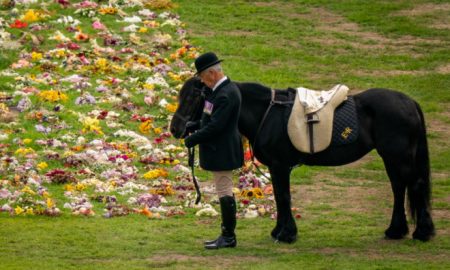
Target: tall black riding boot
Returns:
[227, 238]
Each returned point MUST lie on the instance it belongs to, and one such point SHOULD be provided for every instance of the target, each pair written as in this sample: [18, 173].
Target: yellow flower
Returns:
[145, 127]
[175, 162]
[171, 107]
[50, 203]
[24, 151]
[31, 16]
[143, 30]
[52, 96]
[69, 187]
[3, 108]
[18, 210]
[80, 187]
[156, 173]
[148, 86]
[30, 211]
[252, 193]
[27, 141]
[159, 4]
[165, 190]
[28, 190]
[42, 165]
[36, 56]
[107, 10]
[257, 193]
[157, 131]
[91, 124]
[102, 64]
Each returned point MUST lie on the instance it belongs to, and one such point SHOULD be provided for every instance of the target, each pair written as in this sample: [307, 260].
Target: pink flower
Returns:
[98, 25]
[86, 4]
[148, 100]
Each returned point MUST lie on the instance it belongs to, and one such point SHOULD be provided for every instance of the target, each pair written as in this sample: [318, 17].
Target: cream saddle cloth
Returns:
[310, 123]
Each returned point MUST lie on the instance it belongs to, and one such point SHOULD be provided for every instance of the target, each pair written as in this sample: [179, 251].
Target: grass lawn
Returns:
[403, 45]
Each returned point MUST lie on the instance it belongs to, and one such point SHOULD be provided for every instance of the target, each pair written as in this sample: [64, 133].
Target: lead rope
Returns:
[191, 158]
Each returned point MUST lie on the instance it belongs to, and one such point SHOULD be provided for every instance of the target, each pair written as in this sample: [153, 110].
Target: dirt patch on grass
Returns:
[340, 31]
[241, 33]
[226, 262]
[340, 193]
[438, 14]
[444, 69]
[424, 9]
[377, 254]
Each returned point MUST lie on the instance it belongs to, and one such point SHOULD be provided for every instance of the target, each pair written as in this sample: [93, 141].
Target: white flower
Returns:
[137, 139]
[251, 214]
[6, 208]
[81, 140]
[172, 22]
[147, 13]
[131, 28]
[68, 20]
[73, 78]
[207, 211]
[157, 79]
[134, 19]
[163, 103]
[132, 200]
[3, 136]
[58, 36]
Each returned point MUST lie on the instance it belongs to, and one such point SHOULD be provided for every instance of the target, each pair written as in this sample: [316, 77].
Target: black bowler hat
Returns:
[205, 61]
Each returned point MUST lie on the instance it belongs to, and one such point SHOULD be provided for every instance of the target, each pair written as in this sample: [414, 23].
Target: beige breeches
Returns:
[224, 183]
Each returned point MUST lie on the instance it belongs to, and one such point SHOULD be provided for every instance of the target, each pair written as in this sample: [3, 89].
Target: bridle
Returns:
[196, 113]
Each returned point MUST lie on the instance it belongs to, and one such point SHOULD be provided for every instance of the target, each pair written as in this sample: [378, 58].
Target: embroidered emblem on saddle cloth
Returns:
[310, 124]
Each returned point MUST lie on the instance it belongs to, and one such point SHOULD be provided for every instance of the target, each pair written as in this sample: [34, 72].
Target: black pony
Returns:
[389, 122]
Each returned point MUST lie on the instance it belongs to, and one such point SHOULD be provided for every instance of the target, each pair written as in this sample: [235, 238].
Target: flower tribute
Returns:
[90, 97]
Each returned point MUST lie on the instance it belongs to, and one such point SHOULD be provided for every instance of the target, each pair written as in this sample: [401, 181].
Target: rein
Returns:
[271, 104]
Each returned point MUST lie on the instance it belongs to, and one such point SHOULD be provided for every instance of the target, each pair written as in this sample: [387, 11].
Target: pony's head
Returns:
[191, 100]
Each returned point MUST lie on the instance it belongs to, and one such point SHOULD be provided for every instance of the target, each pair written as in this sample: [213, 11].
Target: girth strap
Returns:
[272, 102]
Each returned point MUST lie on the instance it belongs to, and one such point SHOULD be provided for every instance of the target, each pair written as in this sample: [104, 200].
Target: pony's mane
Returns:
[255, 90]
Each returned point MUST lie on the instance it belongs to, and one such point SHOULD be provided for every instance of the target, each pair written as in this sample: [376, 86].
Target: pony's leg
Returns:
[399, 171]
[286, 229]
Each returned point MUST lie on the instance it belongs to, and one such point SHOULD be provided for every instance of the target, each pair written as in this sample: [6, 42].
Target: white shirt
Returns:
[224, 78]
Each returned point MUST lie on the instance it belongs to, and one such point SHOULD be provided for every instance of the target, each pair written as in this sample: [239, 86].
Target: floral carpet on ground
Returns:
[84, 112]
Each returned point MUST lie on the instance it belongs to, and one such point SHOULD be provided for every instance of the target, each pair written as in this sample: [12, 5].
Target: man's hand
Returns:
[188, 143]
[192, 126]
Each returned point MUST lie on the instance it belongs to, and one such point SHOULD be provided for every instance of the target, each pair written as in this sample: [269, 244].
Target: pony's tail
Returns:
[419, 189]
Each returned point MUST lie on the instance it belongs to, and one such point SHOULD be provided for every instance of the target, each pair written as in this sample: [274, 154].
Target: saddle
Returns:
[310, 124]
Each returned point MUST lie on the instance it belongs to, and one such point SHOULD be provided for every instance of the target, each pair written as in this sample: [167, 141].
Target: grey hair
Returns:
[216, 67]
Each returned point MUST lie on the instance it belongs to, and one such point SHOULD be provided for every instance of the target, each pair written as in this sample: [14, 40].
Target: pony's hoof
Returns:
[289, 239]
[275, 232]
[423, 235]
[392, 233]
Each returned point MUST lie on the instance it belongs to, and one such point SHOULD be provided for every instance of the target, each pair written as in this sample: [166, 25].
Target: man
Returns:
[220, 142]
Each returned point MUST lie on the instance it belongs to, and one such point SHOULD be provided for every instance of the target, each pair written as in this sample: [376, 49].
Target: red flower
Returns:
[64, 3]
[18, 24]
[247, 155]
[102, 115]
[73, 46]
[245, 201]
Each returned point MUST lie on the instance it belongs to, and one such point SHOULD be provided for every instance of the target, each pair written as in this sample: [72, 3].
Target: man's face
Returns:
[208, 78]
